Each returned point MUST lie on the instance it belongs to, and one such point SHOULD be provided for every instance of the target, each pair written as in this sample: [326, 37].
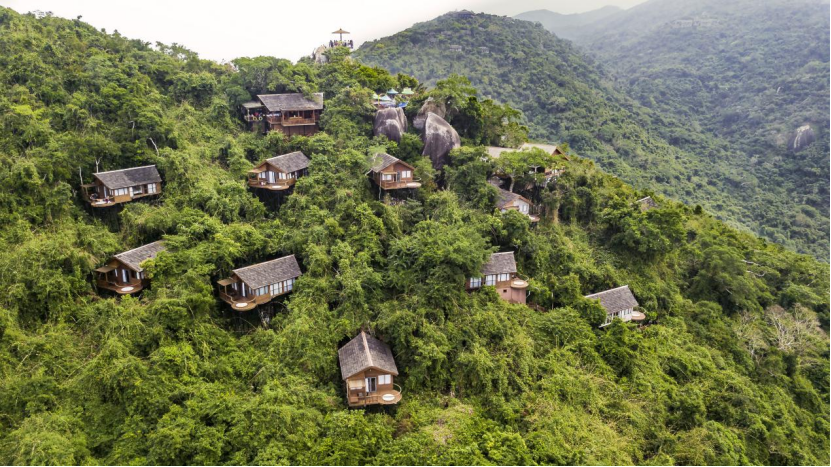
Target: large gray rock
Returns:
[429, 105]
[391, 123]
[318, 55]
[439, 139]
[802, 137]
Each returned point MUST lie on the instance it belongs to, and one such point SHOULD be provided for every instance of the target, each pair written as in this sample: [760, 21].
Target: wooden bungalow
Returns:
[500, 272]
[292, 114]
[280, 172]
[619, 303]
[121, 186]
[367, 368]
[123, 273]
[390, 173]
[508, 201]
[258, 284]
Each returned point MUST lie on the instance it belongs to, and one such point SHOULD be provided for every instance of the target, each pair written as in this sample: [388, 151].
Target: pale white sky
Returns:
[223, 30]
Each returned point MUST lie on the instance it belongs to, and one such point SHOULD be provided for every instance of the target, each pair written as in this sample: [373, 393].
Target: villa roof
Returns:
[291, 101]
[506, 198]
[269, 272]
[363, 352]
[133, 258]
[500, 263]
[291, 162]
[383, 160]
[123, 178]
[615, 300]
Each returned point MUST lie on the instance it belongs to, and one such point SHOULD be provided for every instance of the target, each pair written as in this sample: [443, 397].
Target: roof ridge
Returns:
[264, 262]
[128, 168]
[138, 248]
[607, 291]
[366, 349]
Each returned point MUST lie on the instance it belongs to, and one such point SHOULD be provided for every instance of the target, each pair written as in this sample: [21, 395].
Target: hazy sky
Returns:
[223, 30]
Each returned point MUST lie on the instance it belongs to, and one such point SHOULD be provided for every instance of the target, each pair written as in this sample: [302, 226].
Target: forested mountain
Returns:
[566, 97]
[750, 73]
[571, 25]
[732, 370]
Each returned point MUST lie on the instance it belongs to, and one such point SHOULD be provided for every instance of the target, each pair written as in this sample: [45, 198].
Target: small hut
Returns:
[500, 272]
[509, 201]
[367, 368]
[258, 284]
[122, 186]
[280, 172]
[618, 303]
[123, 273]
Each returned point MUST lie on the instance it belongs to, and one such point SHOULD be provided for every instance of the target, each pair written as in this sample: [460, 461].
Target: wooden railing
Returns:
[393, 184]
[298, 121]
[261, 182]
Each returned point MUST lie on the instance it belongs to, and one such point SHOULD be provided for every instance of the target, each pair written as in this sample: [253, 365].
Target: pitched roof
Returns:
[133, 258]
[123, 178]
[252, 104]
[291, 101]
[269, 272]
[549, 148]
[291, 162]
[365, 351]
[500, 263]
[617, 299]
[383, 160]
[495, 151]
[506, 198]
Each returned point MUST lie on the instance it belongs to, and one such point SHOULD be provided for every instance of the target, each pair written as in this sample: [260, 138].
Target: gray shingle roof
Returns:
[365, 351]
[506, 198]
[124, 178]
[549, 148]
[252, 104]
[383, 160]
[617, 299]
[291, 162]
[269, 272]
[495, 151]
[133, 258]
[500, 263]
[292, 101]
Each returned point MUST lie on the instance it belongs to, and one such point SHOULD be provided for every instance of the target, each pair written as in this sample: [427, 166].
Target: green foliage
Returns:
[734, 371]
[703, 115]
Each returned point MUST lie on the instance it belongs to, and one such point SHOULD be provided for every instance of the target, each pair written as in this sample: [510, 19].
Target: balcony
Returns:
[122, 288]
[383, 397]
[291, 121]
[397, 185]
[277, 185]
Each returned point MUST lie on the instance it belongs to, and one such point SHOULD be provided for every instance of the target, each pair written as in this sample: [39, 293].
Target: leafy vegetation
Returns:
[734, 371]
[652, 141]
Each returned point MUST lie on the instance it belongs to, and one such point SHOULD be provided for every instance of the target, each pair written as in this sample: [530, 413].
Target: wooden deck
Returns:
[393, 185]
[121, 288]
[240, 303]
[278, 185]
[387, 397]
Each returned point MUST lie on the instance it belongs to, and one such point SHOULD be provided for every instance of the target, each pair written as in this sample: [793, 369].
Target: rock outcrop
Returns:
[318, 55]
[439, 139]
[802, 137]
[391, 123]
[429, 105]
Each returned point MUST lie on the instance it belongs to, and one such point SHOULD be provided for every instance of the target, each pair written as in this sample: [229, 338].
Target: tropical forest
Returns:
[725, 359]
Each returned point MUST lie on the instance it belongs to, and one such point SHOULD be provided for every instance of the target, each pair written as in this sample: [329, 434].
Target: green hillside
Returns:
[748, 72]
[566, 97]
[732, 370]
[571, 25]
